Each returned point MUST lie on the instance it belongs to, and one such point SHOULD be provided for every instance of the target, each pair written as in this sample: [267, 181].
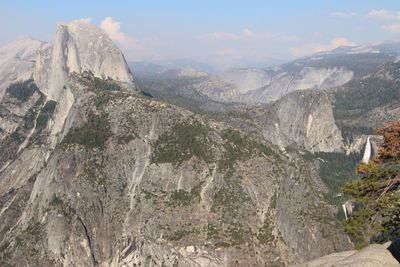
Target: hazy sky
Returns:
[221, 32]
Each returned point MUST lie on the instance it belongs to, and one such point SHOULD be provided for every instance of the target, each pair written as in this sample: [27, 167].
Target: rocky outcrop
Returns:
[371, 256]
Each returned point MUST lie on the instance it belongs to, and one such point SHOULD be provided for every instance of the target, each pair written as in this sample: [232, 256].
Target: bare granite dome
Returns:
[78, 47]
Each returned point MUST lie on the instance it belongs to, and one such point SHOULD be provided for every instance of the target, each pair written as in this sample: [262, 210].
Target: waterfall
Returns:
[345, 211]
[367, 152]
[348, 209]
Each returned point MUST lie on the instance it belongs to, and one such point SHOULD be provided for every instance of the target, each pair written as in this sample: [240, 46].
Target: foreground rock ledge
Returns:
[372, 256]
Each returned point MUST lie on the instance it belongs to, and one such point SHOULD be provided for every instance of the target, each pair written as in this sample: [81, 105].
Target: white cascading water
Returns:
[345, 211]
[367, 152]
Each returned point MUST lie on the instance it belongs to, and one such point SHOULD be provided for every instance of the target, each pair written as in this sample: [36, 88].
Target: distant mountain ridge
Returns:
[320, 71]
[142, 68]
[17, 60]
[323, 70]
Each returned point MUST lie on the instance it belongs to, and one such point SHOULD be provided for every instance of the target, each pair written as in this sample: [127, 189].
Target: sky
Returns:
[220, 32]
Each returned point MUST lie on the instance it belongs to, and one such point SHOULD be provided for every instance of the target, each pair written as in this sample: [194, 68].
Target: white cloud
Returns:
[112, 28]
[341, 14]
[146, 48]
[393, 28]
[309, 49]
[383, 14]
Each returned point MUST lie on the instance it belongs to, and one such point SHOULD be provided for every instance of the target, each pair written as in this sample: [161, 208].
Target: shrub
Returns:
[22, 90]
[45, 113]
[96, 83]
[182, 142]
[240, 146]
[92, 134]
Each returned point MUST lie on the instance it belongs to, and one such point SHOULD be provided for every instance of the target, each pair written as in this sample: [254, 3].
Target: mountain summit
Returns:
[79, 47]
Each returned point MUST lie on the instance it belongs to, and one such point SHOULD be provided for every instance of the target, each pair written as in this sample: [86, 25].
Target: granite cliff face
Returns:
[79, 47]
[304, 119]
[95, 174]
[300, 120]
